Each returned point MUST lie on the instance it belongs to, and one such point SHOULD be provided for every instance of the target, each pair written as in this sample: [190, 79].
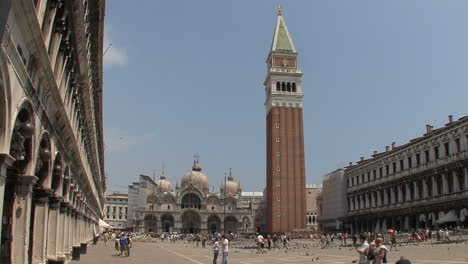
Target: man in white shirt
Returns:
[215, 249]
[225, 246]
[363, 250]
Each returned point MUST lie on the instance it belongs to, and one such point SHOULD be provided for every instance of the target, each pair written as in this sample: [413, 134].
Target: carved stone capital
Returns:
[5, 162]
[26, 183]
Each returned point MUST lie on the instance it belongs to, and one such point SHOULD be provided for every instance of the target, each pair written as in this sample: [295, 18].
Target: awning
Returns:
[104, 224]
[463, 214]
[451, 216]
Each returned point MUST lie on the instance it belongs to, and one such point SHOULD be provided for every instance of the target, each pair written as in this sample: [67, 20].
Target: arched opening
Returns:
[294, 89]
[191, 200]
[21, 150]
[230, 224]
[283, 87]
[440, 184]
[191, 222]
[167, 223]
[214, 224]
[278, 86]
[42, 170]
[57, 175]
[66, 182]
[288, 87]
[150, 222]
[246, 223]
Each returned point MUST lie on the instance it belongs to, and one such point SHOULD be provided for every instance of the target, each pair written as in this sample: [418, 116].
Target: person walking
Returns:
[225, 245]
[363, 249]
[129, 245]
[380, 251]
[393, 242]
[117, 245]
[123, 245]
[215, 250]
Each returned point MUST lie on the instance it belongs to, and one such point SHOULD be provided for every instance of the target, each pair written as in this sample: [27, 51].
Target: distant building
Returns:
[332, 204]
[155, 206]
[312, 191]
[116, 210]
[421, 184]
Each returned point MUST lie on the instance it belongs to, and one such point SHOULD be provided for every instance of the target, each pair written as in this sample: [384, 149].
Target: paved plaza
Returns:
[146, 252]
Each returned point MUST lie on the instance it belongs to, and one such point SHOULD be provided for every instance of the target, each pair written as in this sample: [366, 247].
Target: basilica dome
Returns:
[231, 187]
[163, 184]
[196, 178]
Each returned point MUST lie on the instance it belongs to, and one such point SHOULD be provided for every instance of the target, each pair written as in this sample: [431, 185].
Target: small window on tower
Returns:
[212, 208]
[277, 154]
[278, 169]
[277, 125]
[294, 87]
[278, 184]
[283, 87]
[277, 139]
[289, 87]
[278, 86]
[278, 199]
[278, 214]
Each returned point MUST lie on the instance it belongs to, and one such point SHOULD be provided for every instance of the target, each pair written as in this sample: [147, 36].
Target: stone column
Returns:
[465, 177]
[434, 186]
[22, 218]
[392, 195]
[5, 162]
[385, 193]
[40, 229]
[456, 183]
[379, 201]
[425, 189]
[66, 234]
[408, 192]
[62, 231]
[445, 188]
[416, 190]
[400, 193]
[53, 225]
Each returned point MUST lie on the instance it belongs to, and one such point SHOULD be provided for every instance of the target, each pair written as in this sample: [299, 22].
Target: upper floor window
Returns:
[418, 159]
[394, 167]
[447, 148]
[380, 172]
[387, 170]
[426, 156]
[374, 174]
[457, 144]
[402, 164]
[410, 162]
[436, 152]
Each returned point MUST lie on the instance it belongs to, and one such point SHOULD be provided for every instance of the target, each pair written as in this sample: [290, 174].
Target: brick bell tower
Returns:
[285, 174]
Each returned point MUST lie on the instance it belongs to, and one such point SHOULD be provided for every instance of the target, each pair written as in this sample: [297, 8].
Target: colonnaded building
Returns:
[52, 179]
[421, 184]
[155, 206]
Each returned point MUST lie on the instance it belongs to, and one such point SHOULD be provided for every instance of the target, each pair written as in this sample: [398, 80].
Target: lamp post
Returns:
[224, 214]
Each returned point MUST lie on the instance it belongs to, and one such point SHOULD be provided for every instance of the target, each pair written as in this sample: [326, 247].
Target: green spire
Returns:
[283, 42]
[282, 39]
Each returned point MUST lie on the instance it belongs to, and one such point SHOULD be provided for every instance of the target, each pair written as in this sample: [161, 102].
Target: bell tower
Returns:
[285, 172]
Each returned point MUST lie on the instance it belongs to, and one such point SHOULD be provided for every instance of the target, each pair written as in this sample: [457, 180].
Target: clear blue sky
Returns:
[187, 76]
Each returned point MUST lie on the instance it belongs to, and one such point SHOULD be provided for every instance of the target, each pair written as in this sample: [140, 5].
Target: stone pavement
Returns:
[143, 253]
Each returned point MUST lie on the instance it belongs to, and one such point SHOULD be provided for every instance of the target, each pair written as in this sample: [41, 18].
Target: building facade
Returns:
[423, 183]
[154, 206]
[116, 210]
[285, 170]
[312, 192]
[332, 206]
[52, 179]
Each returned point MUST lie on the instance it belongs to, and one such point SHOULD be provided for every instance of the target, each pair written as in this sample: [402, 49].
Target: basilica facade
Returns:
[190, 208]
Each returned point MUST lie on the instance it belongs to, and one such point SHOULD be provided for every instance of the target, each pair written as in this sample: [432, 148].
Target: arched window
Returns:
[283, 87]
[278, 88]
[289, 87]
[294, 87]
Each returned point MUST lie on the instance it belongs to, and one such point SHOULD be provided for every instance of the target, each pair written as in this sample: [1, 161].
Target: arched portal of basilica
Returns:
[191, 222]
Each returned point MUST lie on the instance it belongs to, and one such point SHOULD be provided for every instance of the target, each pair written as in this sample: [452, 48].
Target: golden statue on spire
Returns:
[280, 9]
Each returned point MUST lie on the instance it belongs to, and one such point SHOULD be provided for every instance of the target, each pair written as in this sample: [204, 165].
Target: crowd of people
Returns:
[371, 248]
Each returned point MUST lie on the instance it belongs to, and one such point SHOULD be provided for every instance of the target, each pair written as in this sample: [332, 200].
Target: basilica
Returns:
[155, 206]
